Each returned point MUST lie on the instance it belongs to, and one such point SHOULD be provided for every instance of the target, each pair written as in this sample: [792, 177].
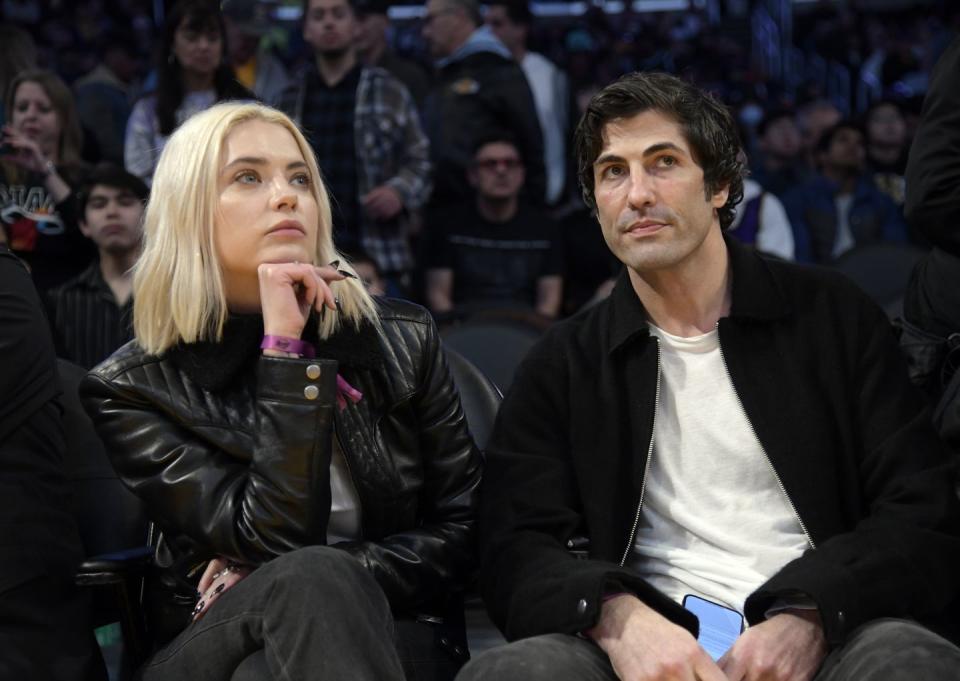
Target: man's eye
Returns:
[668, 161]
[613, 171]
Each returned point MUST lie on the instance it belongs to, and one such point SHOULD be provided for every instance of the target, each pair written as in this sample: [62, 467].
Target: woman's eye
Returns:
[301, 179]
[246, 177]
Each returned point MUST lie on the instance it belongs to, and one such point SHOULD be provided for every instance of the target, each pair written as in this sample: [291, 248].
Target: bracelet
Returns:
[285, 344]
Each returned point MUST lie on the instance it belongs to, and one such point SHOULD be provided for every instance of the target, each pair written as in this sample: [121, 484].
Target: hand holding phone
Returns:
[720, 626]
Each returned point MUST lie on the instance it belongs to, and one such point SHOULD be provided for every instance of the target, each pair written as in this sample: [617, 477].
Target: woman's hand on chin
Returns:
[288, 291]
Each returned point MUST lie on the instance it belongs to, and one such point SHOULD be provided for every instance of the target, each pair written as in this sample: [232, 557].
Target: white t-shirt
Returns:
[344, 523]
[550, 92]
[715, 522]
[844, 241]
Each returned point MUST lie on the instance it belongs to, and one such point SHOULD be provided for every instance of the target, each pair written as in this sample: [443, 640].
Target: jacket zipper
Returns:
[776, 475]
[646, 469]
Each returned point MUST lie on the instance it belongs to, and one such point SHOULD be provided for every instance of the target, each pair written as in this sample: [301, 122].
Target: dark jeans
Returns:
[883, 650]
[314, 613]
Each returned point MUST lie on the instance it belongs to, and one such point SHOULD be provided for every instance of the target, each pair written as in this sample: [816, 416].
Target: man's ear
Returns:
[719, 198]
[82, 224]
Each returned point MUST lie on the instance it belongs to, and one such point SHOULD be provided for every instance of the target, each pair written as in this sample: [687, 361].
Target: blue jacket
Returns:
[813, 215]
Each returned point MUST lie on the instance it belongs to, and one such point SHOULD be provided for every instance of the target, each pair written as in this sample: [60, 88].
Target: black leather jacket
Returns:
[230, 451]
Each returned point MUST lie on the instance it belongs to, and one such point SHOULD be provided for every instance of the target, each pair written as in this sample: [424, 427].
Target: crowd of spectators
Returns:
[395, 109]
[445, 142]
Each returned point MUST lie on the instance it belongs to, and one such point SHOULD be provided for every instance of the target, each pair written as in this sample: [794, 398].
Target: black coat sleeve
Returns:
[933, 169]
[902, 557]
[249, 510]
[531, 508]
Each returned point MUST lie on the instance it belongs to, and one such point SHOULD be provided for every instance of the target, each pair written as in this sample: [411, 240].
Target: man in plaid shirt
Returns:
[365, 130]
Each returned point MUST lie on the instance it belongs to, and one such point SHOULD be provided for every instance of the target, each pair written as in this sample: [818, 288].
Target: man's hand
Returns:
[382, 203]
[790, 646]
[643, 645]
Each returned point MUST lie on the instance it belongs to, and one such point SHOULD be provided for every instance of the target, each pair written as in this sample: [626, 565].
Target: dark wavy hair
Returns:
[707, 125]
[198, 15]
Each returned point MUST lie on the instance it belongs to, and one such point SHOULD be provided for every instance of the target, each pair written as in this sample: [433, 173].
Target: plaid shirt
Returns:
[327, 121]
[88, 325]
[389, 149]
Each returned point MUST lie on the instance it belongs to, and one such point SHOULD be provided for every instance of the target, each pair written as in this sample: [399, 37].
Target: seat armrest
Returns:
[114, 568]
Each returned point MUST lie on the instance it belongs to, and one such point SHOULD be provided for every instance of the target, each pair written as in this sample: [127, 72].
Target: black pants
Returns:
[883, 650]
[314, 613]
[46, 633]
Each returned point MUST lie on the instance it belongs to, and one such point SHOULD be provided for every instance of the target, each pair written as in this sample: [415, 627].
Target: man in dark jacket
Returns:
[478, 89]
[45, 625]
[840, 208]
[724, 427]
[931, 307]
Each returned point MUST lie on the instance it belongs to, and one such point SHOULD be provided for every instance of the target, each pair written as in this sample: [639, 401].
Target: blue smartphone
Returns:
[719, 625]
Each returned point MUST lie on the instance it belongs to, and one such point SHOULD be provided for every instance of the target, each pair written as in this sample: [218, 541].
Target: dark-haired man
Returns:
[374, 49]
[478, 89]
[724, 427]
[781, 163]
[92, 314]
[511, 20]
[498, 252]
[840, 208]
[365, 130]
[45, 620]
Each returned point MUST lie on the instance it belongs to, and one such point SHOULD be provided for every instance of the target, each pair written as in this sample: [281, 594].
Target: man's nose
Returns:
[640, 192]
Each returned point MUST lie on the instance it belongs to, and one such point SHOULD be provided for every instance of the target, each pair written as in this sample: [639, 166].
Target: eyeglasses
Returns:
[491, 164]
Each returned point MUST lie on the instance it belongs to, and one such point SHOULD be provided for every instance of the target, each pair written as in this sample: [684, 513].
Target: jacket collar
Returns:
[756, 295]
[214, 366]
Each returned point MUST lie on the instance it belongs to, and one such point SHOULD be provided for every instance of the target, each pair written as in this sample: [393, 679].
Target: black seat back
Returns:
[110, 517]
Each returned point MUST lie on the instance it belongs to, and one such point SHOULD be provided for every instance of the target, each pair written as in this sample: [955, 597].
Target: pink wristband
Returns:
[285, 344]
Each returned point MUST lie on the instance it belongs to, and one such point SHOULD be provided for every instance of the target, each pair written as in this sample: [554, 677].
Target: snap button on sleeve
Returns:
[311, 392]
[313, 372]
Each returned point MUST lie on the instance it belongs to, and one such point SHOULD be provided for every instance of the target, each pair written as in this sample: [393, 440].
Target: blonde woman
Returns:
[297, 443]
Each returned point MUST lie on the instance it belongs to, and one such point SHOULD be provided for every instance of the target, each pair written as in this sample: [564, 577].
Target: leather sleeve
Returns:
[250, 505]
[419, 564]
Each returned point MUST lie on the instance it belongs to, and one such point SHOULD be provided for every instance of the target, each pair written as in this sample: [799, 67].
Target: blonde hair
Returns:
[178, 291]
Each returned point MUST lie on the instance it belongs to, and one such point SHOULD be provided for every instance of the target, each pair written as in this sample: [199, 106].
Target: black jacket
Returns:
[472, 98]
[933, 170]
[38, 534]
[819, 374]
[931, 304]
[231, 457]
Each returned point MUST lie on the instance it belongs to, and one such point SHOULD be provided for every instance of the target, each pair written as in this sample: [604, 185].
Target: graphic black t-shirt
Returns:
[494, 263]
[41, 232]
